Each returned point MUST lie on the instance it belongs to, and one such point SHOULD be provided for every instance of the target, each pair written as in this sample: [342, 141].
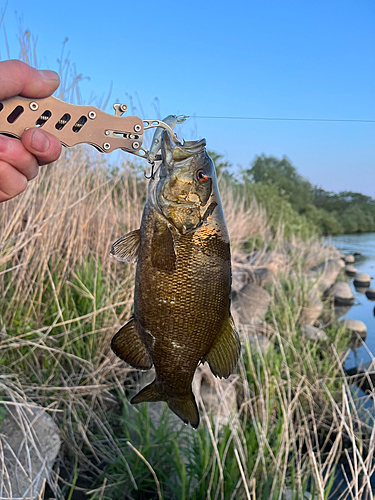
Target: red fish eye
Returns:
[202, 176]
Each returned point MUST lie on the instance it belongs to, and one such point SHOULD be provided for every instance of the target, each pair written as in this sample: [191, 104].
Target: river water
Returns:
[364, 308]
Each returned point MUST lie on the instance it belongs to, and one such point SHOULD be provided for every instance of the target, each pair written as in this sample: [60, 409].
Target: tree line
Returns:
[278, 185]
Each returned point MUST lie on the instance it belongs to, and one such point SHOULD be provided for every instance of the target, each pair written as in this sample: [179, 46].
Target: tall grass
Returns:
[62, 299]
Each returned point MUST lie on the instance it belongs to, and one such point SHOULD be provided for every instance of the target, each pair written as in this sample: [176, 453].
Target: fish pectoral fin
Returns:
[126, 248]
[127, 345]
[186, 409]
[163, 256]
[225, 351]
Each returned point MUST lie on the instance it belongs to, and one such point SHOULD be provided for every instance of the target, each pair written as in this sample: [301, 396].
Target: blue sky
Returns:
[308, 59]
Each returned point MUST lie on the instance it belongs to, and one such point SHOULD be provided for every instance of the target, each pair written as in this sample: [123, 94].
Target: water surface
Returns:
[364, 308]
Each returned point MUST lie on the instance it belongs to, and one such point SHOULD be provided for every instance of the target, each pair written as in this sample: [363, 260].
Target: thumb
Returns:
[18, 78]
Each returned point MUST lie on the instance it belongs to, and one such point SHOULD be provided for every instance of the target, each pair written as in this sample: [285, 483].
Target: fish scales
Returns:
[200, 299]
[183, 281]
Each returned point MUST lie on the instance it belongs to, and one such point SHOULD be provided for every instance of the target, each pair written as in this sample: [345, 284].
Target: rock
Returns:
[360, 289]
[242, 275]
[357, 329]
[355, 325]
[275, 262]
[259, 341]
[312, 258]
[312, 333]
[349, 259]
[363, 376]
[30, 443]
[342, 256]
[342, 294]
[332, 248]
[362, 279]
[329, 251]
[328, 272]
[250, 305]
[341, 310]
[350, 271]
[218, 396]
[357, 254]
[370, 294]
[341, 263]
[239, 257]
[311, 311]
[261, 276]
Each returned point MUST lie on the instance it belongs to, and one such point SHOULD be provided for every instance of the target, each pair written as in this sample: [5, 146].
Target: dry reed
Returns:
[62, 298]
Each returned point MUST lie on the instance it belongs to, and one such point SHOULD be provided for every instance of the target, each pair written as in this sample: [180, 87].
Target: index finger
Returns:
[18, 78]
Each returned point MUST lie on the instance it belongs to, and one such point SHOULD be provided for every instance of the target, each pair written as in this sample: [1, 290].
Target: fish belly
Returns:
[181, 311]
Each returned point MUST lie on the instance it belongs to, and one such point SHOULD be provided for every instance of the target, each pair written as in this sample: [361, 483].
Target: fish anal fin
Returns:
[225, 351]
[126, 248]
[148, 394]
[163, 256]
[127, 345]
[186, 409]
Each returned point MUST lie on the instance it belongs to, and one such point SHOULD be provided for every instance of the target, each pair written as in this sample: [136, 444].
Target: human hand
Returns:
[20, 159]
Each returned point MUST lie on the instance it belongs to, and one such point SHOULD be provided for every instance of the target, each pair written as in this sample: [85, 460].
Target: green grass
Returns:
[60, 309]
[113, 450]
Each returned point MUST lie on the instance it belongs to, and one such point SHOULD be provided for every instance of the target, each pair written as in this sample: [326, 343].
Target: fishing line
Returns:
[281, 119]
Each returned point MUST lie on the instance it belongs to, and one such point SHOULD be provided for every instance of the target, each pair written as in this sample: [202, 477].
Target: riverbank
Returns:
[276, 428]
[364, 245]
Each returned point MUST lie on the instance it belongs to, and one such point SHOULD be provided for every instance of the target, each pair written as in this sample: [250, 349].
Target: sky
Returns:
[262, 58]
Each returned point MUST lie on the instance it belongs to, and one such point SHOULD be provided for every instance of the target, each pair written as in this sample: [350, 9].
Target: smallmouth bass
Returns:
[183, 281]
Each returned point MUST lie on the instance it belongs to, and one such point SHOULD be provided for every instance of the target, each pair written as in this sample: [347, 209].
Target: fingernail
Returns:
[39, 141]
[48, 75]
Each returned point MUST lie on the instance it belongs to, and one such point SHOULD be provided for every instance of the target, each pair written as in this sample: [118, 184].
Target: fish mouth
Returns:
[173, 153]
[187, 149]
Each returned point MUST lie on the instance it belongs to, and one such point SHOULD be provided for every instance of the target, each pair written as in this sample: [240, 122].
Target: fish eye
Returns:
[201, 175]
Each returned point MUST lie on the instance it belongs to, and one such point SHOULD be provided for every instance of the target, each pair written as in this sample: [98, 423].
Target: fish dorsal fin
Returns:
[225, 351]
[163, 256]
[126, 248]
[127, 345]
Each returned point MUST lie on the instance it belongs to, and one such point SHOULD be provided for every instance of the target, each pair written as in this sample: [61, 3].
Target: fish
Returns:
[183, 278]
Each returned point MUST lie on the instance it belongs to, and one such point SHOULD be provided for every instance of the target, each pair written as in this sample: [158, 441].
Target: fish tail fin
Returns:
[148, 394]
[186, 409]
